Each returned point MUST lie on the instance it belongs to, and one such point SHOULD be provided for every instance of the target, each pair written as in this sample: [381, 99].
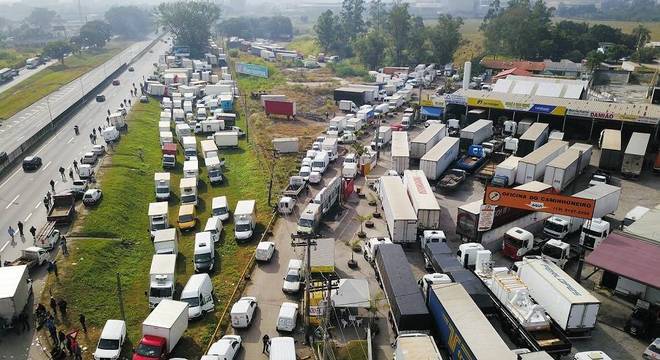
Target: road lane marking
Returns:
[38, 203]
[9, 178]
[47, 165]
[12, 202]
[70, 140]
[28, 217]
[20, 137]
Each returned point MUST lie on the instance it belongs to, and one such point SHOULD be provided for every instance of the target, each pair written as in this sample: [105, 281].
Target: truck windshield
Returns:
[160, 292]
[214, 172]
[202, 258]
[150, 351]
[292, 278]
[192, 302]
[306, 222]
[592, 232]
[511, 241]
[219, 211]
[243, 227]
[162, 190]
[188, 198]
[551, 251]
[318, 164]
[554, 227]
[108, 344]
[185, 218]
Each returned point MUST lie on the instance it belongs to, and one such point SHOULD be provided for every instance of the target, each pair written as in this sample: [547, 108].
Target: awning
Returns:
[628, 256]
[432, 111]
[351, 293]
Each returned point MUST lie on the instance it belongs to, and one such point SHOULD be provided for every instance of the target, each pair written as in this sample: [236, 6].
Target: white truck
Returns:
[415, 346]
[162, 184]
[166, 241]
[633, 157]
[568, 303]
[329, 195]
[426, 140]
[245, 219]
[309, 219]
[438, 159]
[562, 170]
[209, 149]
[422, 199]
[189, 144]
[158, 215]
[162, 278]
[476, 133]
[226, 138]
[162, 330]
[188, 190]
[400, 153]
[505, 172]
[353, 125]
[347, 106]
[182, 130]
[16, 291]
[532, 167]
[336, 126]
[214, 169]
[329, 145]
[208, 126]
[399, 213]
[117, 120]
[560, 226]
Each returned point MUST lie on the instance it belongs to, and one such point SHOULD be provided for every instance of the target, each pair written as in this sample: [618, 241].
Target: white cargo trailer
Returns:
[532, 139]
[438, 159]
[286, 145]
[15, 290]
[633, 157]
[476, 133]
[226, 138]
[422, 199]
[399, 213]
[532, 166]
[426, 140]
[400, 151]
[566, 301]
[562, 170]
[606, 196]
[505, 172]
[585, 155]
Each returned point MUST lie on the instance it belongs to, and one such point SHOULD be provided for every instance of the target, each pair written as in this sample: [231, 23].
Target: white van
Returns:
[242, 312]
[291, 284]
[315, 177]
[264, 251]
[214, 226]
[204, 253]
[282, 348]
[190, 168]
[198, 293]
[305, 171]
[320, 162]
[286, 320]
[220, 208]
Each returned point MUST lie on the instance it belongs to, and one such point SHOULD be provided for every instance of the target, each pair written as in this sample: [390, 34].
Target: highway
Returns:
[23, 74]
[22, 193]
[24, 124]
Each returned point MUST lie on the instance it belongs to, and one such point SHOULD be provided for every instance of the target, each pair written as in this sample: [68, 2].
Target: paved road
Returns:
[25, 73]
[27, 122]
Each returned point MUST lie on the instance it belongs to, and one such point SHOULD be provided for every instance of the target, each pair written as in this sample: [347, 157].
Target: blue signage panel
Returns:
[252, 69]
[543, 109]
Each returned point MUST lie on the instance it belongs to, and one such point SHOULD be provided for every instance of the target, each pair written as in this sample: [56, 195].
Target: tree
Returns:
[594, 58]
[352, 22]
[190, 22]
[377, 14]
[370, 49]
[418, 49]
[399, 29]
[41, 18]
[326, 31]
[445, 37]
[129, 21]
[642, 35]
[57, 50]
[616, 52]
[95, 33]
[644, 55]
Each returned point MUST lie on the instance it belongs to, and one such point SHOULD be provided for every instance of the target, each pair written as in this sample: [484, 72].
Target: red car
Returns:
[396, 127]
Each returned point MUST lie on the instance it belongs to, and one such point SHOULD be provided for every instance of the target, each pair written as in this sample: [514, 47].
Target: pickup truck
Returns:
[452, 179]
[296, 185]
[473, 160]
[47, 237]
[31, 257]
[63, 208]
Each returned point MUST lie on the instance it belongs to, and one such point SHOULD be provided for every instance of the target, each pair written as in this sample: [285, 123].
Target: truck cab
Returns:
[433, 236]
[150, 348]
[517, 242]
[204, 253]
[594, 232]
[453, 127]
[220, 208]
[556, 251]
[309, 219]
[558, 226]
[286, 205]
[370, 246]
[162, 184]
[214, 169]
[187, 217]
[428, 280]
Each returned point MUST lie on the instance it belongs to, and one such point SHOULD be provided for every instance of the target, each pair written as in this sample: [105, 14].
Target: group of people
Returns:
[61, 342]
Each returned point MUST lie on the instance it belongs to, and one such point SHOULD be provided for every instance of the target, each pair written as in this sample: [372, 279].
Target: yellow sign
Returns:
[489, 103]
[559, 110]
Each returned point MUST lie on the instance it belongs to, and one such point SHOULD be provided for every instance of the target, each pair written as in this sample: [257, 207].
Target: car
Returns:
[144, 99]
[428, 123]
[226, 348]
[92, 196]
[89, 158]
[79, 186]
[291, 284]
[653, 350]
[111, 340]
[31, 163]
[100, 98]
[115, 82]
[131, 69]
[242, 312]
[265, 251]
[599, 177]
[98, 150]
[122, 111]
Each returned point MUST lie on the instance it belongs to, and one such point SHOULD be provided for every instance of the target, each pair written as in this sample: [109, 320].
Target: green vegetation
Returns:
[87, 277]
[37, 86]
[347, 68]
[15, 58]
[268, 27]
[305, 44]
[189, 22]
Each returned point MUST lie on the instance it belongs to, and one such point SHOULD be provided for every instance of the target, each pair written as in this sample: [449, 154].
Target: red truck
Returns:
[161, 330]
[280, 107]
[169, 149]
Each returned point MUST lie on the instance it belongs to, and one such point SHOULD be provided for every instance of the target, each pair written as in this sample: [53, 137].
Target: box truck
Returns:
[226, 138]
[286, 145]
[505, 172]
[438, 159]
[415, 346]
[158, 215]
[162, 330]
[399, 214]
[400, 152]
[532, 166]
[633, 157]
[406, 302]
[562, 170]
[610, 150]
[16, 291]
[426, 140]
[166, 241]
[566, 301]
[162, 184]
[606, 196]
[422, 199]
[476, 133]
[532, 139]
[209, 149]
[280, 107]
[161, 278]
[245, 219]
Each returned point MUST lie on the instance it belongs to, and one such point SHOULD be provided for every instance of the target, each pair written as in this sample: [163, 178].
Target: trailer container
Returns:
[606, 196]
[426, 140]
[562, 170]
[357, 96]
[585, 151]
[438, 159]
[280, 107]
[399, 213]
[610, 150]
[422, 199]
[406, 302]
[464, 331]
[532, 166]
[566, 301]
[633, 157]
[532, 139]
[14, 292]
[505, 172]
[400, 151]
[286, 145]
[476, 133]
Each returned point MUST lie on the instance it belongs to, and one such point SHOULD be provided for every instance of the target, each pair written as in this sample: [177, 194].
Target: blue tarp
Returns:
[432, 111]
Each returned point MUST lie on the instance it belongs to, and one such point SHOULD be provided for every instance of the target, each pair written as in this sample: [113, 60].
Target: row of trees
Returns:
[524, 29]
[268, 27]
[189, 21]
[380, 35]
[626, 10]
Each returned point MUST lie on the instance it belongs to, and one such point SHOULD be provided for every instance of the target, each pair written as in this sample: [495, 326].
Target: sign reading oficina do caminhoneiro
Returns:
[535, 201]
[252, 69]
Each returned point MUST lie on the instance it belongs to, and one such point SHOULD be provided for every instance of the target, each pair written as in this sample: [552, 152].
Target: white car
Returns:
[428, 123]
[79, 186]
[98, 150]
[111, 340]
[291, 282]
[242, 312]
[226, 348]
[89, 158]
[653, 350]
[264, 251]
[306, 162]
[92, 196]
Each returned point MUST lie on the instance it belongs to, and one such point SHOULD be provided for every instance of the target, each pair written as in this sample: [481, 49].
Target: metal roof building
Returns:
[548, 87]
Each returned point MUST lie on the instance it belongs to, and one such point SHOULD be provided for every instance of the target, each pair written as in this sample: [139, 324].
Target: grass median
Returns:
[87, 277]
[41, 84]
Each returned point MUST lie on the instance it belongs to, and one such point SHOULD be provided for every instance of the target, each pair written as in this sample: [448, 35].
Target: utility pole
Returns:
[306, 240]
[272, 175]
[121, 299]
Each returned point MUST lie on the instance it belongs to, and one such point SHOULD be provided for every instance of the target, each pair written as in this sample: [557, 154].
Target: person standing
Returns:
[62, 174]
[71, 173]
[99, 129]
[33, 231]
[52, 330]
[11, 232]
[61, 337]
[55, 269]
[75, 165]
[82, 322]
[53, 305]
[20, 228]
[265, 340]
[65, 249]
[62, 305]
[52, 184]
[46, 204]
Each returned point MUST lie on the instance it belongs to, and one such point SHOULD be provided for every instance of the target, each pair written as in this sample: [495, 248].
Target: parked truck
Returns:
[399, 213]
[473, 160]
[415, 346]
[438, 159]
[476, 133]
[406, 303]
[226, 138]
[328, 197]
[31, 257]
[162, 185]
[606, 197]
[400, 152]
[358, 96]
[348, 106]
[63, 208]
[564, 299]
[426, 140]
[422, 199]
[162, 330]
[610, 150]
[383, 137]
[532, 139]
[633, 157]
[505, 172]
[280, 107]
[562, 170]
[532, 167]
[209, 149]
[296, 185]
[560, 226]
[518, 242]
[162, 278]
[15, 295]
[336, 126]
[47, 236]
[245, 219]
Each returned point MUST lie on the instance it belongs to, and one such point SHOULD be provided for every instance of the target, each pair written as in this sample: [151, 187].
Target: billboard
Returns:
[535, 201]
[252, 69]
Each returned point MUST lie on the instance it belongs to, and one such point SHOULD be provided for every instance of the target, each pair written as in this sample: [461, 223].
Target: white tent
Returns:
[351, 293]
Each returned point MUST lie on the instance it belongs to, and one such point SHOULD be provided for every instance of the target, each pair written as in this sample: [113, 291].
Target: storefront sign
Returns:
[511, 105]
[455, 99]
[535, 201]
[489, 103]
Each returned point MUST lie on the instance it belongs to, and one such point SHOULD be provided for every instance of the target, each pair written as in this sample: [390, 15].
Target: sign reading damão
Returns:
[545, 202]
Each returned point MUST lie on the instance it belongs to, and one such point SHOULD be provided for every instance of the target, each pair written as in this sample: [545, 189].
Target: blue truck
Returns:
[471, 161]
